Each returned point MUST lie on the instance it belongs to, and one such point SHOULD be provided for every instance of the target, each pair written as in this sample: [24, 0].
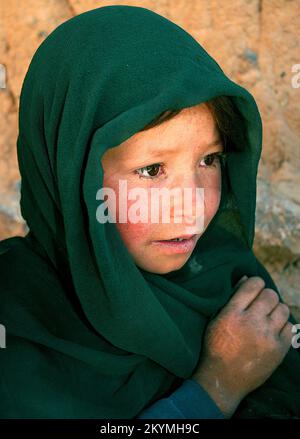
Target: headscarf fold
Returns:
[90, 334]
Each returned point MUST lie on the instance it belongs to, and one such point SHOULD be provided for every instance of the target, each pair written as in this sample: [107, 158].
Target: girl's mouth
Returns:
[177, 245]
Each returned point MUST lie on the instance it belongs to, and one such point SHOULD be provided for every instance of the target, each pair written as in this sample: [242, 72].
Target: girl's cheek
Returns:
[133, 234]
[212, 203]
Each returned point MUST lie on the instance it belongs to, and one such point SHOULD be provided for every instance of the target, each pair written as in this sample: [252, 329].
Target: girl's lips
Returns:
[181, 237]
[171, 247]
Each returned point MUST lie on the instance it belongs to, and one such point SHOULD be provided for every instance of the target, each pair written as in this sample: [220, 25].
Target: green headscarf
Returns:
[89, 334]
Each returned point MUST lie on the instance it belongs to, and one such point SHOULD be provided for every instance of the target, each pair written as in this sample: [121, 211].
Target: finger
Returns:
[279, 316]
[242, 280]
[239, 283]
[265, 302]
[246, 293]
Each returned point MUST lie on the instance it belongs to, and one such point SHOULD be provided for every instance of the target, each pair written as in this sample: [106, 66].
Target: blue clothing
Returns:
[189, 401]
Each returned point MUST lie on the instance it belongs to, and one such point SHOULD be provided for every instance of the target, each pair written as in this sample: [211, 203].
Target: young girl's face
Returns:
[179, 153]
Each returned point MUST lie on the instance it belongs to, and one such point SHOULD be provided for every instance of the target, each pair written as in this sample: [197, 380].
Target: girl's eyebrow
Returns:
[215, 142]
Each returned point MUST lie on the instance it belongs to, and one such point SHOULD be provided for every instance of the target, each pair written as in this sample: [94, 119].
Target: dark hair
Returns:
[225, 114]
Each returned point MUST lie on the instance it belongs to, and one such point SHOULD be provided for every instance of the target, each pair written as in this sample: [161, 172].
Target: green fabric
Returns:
[89, 334]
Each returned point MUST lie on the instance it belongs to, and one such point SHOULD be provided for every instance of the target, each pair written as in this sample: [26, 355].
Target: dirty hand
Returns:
[243, 344]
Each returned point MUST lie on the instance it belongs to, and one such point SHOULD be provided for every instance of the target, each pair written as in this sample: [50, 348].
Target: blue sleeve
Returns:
[189, 401]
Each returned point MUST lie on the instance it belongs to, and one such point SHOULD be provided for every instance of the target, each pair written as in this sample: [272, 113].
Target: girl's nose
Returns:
[187, 205]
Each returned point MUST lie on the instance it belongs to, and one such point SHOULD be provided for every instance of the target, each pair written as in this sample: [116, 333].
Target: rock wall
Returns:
[257, 43]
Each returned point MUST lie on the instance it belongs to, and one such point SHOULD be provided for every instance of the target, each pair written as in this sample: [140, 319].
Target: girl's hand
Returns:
[244, 344]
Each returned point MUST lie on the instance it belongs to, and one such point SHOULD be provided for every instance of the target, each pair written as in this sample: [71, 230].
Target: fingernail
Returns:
[243, 278]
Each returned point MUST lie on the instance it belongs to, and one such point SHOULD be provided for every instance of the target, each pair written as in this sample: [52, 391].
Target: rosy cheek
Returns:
[133, 234]
[212, 203]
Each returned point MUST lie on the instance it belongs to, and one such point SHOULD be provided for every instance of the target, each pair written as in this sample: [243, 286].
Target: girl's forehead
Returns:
[171, 131]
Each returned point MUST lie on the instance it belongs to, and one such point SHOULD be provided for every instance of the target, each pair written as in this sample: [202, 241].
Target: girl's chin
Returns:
[165, 266]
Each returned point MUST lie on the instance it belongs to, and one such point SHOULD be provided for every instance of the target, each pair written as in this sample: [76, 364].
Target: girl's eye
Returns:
[152, 171]
[212, 160]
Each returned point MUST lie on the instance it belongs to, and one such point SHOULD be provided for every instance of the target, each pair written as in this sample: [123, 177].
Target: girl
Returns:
[106, 319]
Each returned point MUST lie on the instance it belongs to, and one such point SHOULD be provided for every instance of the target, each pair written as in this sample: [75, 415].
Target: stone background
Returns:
[256, 42]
